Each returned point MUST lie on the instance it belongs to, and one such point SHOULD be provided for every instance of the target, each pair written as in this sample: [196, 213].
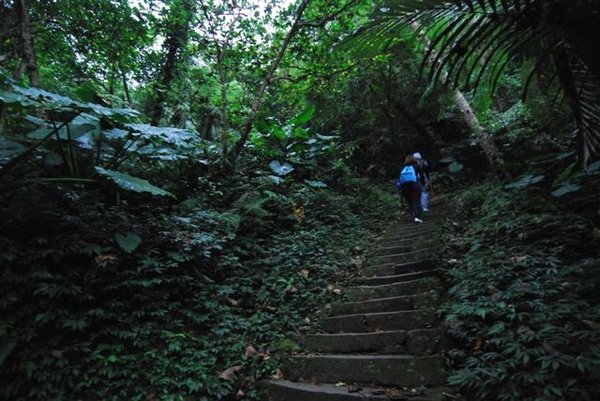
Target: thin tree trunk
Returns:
[266, 82]
[26, 39]
[2, 119]
[163, 84]
[19, 71]
[126, 89]
[485, 140]
[176, 42]
[224, 106]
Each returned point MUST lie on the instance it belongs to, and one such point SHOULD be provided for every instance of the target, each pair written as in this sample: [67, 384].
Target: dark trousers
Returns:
[412, 193]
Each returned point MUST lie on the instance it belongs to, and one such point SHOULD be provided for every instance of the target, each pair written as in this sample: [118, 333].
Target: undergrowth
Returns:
[147, 300]
[524, 304]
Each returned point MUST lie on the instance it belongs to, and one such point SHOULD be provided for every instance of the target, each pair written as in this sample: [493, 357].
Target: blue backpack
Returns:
[408, 174]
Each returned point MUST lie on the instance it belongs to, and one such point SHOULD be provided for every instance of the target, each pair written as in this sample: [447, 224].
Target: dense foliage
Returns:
[144, 301]
[182, 184]
[524, 274]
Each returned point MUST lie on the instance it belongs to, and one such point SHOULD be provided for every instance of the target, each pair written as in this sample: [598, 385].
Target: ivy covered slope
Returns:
[523, 269]
[129, 272]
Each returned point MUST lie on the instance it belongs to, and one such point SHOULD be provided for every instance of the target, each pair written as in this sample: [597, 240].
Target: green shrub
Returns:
[523, 304]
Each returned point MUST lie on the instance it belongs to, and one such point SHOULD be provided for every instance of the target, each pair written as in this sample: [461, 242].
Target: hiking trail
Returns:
[383, 341]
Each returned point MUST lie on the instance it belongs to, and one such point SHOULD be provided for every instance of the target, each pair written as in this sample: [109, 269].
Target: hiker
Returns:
[410, 183]
[427, 189]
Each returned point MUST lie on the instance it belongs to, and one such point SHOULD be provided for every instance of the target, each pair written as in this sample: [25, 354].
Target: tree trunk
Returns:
[126, 89]
[19, 71]
[483, 137]
[163, 83]
[175, 43]
[26, 41]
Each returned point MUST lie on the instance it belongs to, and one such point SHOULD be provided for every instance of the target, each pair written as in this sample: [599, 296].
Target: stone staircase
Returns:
[383, 341]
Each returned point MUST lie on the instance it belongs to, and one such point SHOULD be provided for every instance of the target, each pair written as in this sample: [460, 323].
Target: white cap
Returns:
[417, 155]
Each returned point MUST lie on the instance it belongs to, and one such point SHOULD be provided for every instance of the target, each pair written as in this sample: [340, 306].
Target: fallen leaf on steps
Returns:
[231, 373]
[354, 389]
[250, 350]
[395, 394]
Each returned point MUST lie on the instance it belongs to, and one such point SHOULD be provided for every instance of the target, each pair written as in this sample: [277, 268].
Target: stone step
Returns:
[391, 304]
[409, 221]
[394, 249]
[379, 321]
[284, 390]
[426, 300]
[381, 370]
[413, 240]
[367, 292]
[397, 278]
[405, 227]
[413, 342]
[404, 257]
[393, 269]
[407, 234]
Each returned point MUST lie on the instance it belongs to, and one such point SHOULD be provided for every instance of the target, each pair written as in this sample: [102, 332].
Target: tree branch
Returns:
[302, 77]
[266, 82]
[330, 17]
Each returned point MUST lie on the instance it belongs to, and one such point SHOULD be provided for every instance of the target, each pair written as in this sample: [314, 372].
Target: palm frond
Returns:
[587, 96]
[473, 42]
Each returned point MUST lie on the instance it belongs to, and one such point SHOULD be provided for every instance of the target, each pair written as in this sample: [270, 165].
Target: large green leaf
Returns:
[12, 98]
[280, 169]
[39, 97]
[9, 149]
[128, 241]
[315, 184]
[132, 183]
[525, 181]
[455, 167]
[566, 189]
[304, 117]
[75, 130]
[178, 137]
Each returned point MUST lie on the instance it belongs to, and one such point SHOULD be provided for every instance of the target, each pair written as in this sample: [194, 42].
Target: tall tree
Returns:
[315, 22]
[256, 104]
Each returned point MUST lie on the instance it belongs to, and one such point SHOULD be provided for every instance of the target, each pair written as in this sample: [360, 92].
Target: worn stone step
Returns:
[284, 390]
[379, 321]
[416, 241]
[402, 238]
[397, 278]
[407, 234]
[426, 300]
[382, 370]
[413, 342]
[392, 269]
[390, 304]
[394, 249]
[405, 228]
[408, 221]
[367, 292]
[404, 257]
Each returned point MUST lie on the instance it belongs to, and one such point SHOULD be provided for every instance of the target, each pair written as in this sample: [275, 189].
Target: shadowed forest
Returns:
[186, 184]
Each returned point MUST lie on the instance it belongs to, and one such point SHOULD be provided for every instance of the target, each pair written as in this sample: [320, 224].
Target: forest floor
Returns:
[143, 299]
